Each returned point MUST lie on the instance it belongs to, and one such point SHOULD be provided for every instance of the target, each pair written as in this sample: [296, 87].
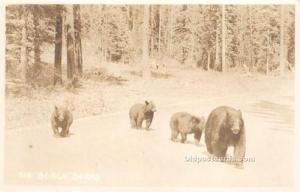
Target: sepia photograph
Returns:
[149, 95]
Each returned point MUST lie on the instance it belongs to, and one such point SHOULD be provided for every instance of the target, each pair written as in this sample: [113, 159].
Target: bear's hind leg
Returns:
[133, 122]
[174, 135]
[183, 137]
[139, 123]
[220, 152]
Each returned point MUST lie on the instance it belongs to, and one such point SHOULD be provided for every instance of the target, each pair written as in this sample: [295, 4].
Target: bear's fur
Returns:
[63, 118]
[142, 112]
[184, 123]
[224, 128]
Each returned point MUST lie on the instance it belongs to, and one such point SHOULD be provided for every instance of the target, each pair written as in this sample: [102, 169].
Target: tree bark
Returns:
[224, 67]
[146, 71]
[24, 51]
[251, 38]
[208, 60]
[58, 50]
[282, 58]
[267, 53]
[151, 30]
[36, 40]
[70, 53]
[159, 32]
[217, 48]
[242, 52]
[77, 33]
[102, 7]
[170, 23]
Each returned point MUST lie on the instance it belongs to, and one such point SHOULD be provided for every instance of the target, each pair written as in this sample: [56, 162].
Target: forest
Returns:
[212, 37]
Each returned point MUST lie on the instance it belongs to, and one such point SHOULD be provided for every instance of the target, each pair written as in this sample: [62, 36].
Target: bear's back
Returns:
[180, 120]
[135, 109]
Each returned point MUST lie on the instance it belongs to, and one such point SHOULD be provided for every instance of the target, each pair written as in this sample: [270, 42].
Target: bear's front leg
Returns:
[55, 129]
[197, 137]
[63, 132]
[65, 129]
[219, 149]
[148, 123]
[208, 143]
[239, 154]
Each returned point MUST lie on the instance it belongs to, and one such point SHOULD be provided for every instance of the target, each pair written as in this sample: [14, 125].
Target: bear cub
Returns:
[63, 118]
[184, 123]
[142, 112]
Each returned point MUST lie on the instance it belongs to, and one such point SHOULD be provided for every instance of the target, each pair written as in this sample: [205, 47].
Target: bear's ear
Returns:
[146, 102]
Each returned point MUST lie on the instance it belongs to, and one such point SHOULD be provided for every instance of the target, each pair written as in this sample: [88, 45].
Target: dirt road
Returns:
[104, 151]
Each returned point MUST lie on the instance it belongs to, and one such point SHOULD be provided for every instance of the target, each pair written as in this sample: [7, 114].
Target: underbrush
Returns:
[101, 74]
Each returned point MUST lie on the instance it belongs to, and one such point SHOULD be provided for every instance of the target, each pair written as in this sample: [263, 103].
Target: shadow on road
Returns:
[280, 116]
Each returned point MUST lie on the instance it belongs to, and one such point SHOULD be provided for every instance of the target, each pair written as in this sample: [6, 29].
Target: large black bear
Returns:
[140, 112]
[224, 128]
[63, 118]
[184, 123]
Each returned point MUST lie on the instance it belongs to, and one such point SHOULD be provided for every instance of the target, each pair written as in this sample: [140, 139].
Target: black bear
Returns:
[63, 118]
[140, 112]
[224, 128]
[184, 123]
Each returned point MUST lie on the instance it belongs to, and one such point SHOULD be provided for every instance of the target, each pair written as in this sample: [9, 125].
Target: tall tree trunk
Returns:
[146, 71]
[58, 50]
[193, 46]
[282, 55]
[77, 33]
[70, 53]
[103, 46]
[24, 51]
[70, 42]
[102, 7]
[267, 53]
[217, 48]
[159, 32]
[208, 60]
[224, 67]
[129, 17]
[151, 30]
[251, 38]
[170, 23]
[242, 52]
[36, 40]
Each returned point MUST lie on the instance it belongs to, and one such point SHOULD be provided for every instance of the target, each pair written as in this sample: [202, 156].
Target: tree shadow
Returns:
[280, 116]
